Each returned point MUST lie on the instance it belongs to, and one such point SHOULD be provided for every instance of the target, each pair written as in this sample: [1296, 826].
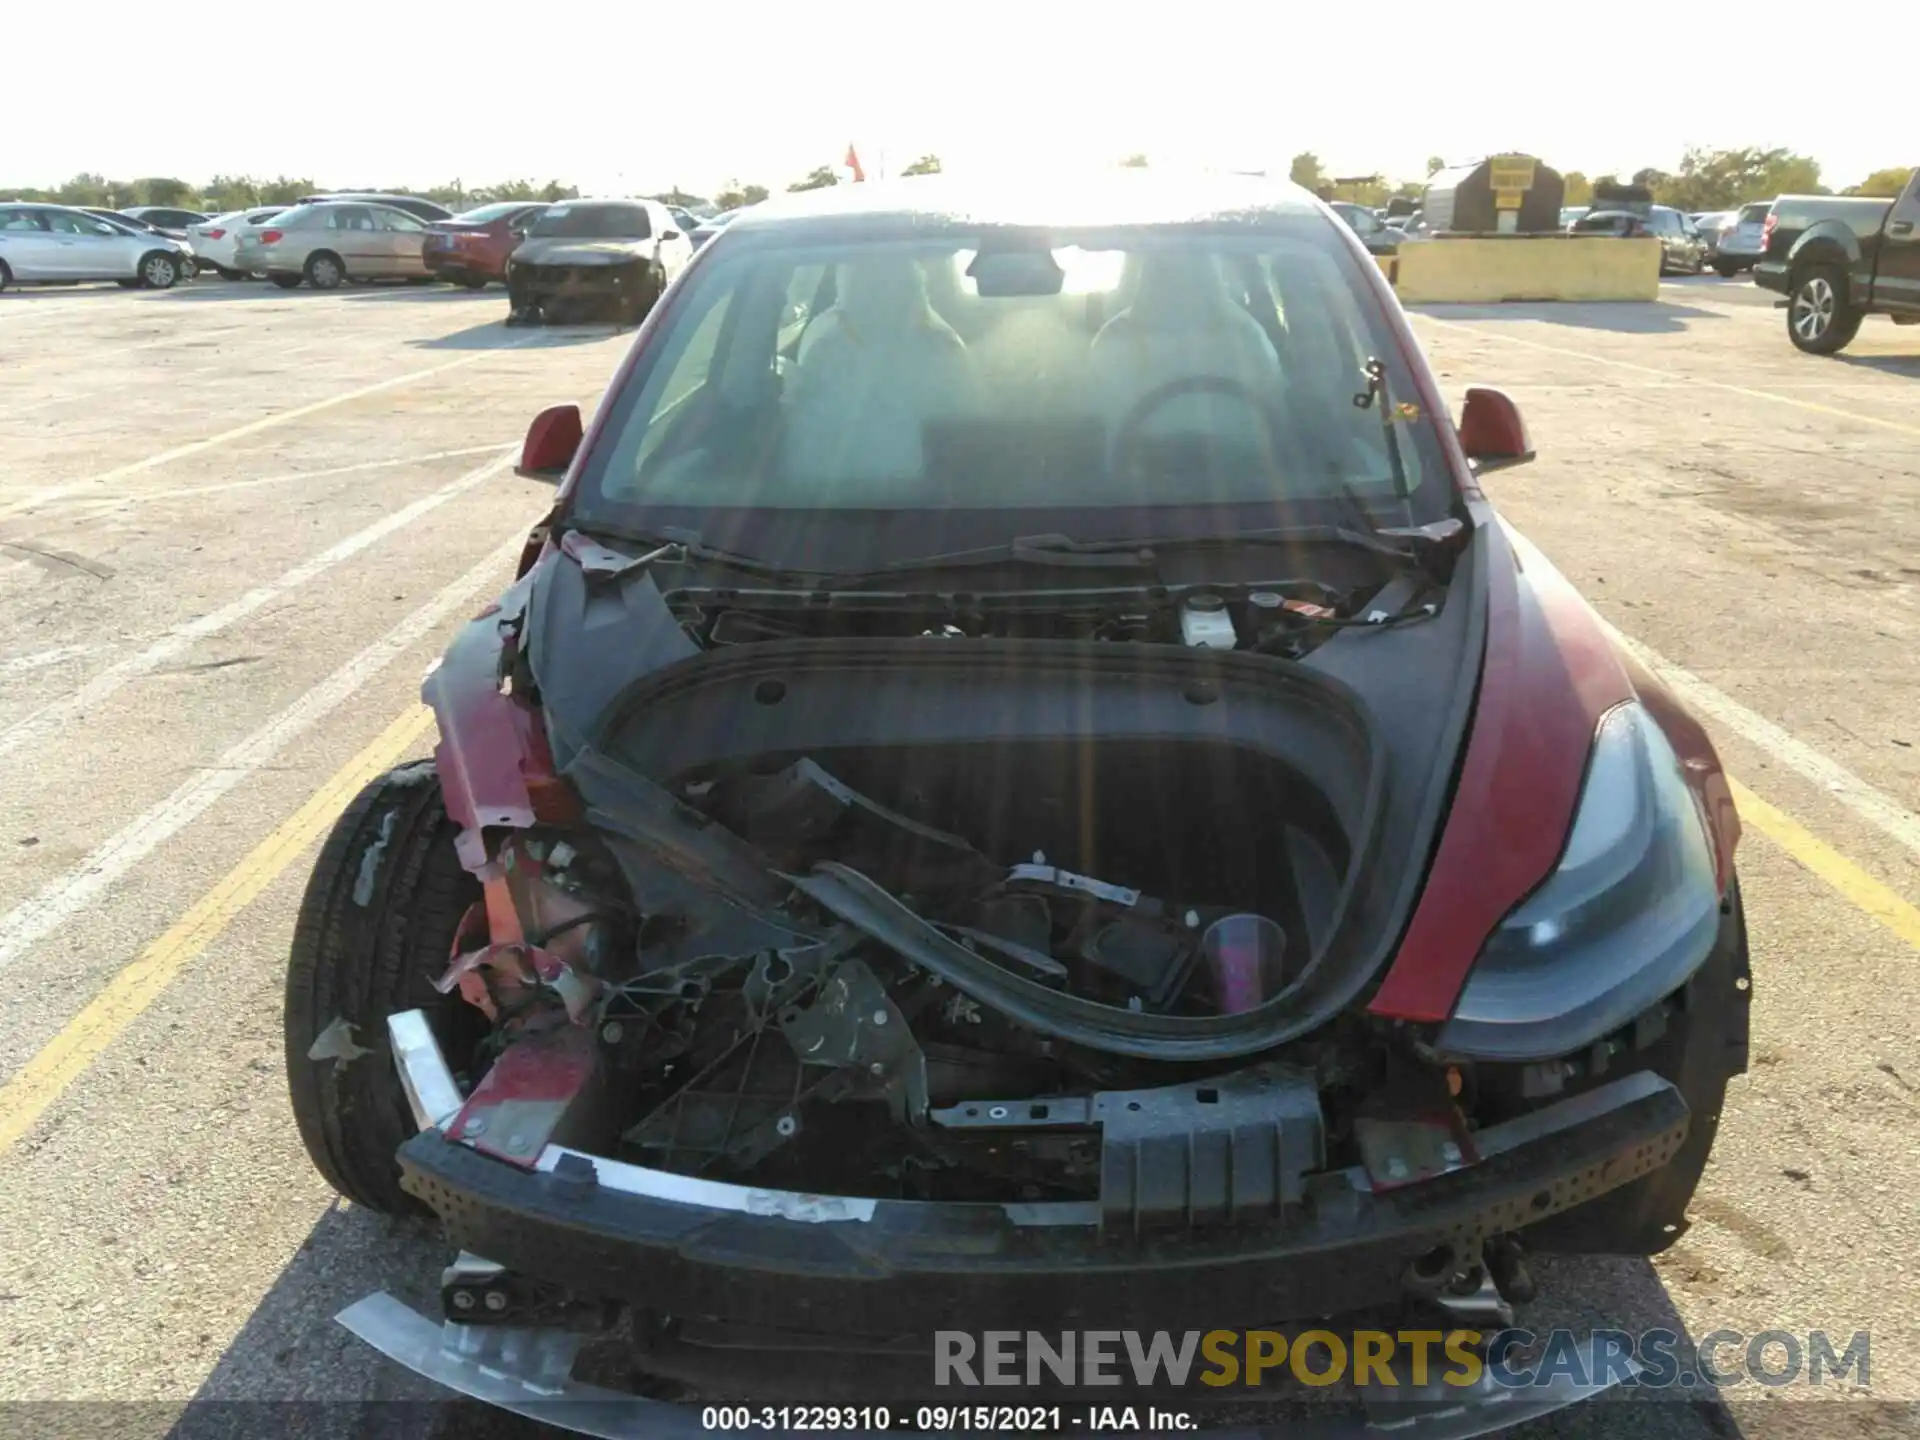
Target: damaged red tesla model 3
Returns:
[1021, 784]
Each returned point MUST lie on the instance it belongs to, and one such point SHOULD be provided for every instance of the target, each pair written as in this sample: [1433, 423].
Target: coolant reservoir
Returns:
[1204, 621]
[1246, 958]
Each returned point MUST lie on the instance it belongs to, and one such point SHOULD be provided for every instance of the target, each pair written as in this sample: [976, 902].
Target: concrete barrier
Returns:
[1534, 267]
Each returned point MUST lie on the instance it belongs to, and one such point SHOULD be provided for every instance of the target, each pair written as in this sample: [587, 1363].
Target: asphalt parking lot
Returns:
[236, 524]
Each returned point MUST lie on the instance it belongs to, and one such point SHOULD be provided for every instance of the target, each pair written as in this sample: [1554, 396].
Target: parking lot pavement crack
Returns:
[48, 558]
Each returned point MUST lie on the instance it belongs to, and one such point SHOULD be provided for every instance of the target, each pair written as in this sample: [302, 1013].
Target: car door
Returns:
[676, 249]
[88, 248]
[1896, 282]
[25, 244]
[403, 241]
[351, 235]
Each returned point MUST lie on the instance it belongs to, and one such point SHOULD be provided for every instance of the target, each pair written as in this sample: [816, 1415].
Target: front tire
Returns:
[1819, 320]
[159, 271]
[377, 925]
[324, 270]
[1726, 269]
[6, 276]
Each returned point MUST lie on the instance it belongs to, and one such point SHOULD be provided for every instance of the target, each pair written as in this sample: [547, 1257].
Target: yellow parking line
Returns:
[26, 1097]
[1854, 884]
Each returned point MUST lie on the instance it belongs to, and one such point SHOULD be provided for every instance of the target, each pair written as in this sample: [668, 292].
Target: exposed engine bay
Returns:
[831, 1062]
[854, 911]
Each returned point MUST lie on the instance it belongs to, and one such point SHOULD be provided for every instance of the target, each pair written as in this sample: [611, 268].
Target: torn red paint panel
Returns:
[519, 1103]
[496, 767]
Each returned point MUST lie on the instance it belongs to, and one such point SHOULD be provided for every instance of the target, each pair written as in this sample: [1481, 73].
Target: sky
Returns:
[636, 96]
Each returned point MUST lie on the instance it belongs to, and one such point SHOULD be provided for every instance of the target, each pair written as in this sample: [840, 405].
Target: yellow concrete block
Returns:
[1544, 267]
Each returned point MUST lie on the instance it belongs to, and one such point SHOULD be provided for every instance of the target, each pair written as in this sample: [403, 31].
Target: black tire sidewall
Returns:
[375, 928]
[1845, 323]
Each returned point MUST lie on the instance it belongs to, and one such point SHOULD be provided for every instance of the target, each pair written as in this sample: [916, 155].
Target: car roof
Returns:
[320, 195]
[1096, 200]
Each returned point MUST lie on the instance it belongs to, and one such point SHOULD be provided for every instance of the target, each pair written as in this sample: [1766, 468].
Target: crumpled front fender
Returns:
[496, 766]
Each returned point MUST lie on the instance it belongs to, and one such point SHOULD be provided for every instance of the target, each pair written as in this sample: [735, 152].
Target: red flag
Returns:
[852, 162]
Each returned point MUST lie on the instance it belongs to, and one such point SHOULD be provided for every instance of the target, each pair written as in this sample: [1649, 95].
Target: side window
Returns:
[66, 222]
[349, 217]
[20, 220]
[1908, 205]
[802, 291]
[401, 221]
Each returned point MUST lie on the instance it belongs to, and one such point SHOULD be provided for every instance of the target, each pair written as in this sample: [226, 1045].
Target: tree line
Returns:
[1704, 180]
[244, 192]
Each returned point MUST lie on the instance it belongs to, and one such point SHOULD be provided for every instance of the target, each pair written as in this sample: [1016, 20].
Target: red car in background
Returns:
[472, 248]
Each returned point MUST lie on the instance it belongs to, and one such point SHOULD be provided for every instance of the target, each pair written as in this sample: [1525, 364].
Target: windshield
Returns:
[592, 222]
[483, 214]
[1133, 381]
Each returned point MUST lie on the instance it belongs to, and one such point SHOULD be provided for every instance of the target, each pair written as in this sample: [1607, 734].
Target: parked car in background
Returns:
[1682, 251]
[471, 249]
[1709, 225]
[328, 242]
[1743, 241]
[583, 256]
[1374, 233]
[412, 204]
[714, 224]
[1841, 258]
[686, 220]
[1571, 213]
[140, 227]
[167, 219]
[64, 245]
[216, 242]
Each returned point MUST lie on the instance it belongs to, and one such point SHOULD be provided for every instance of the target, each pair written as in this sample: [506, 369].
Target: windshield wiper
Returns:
[1061, 551]
[1408, 547]
[670, 543]
[1379, 397]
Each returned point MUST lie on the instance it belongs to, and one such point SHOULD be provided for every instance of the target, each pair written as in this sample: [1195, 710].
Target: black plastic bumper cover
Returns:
[918, 1267]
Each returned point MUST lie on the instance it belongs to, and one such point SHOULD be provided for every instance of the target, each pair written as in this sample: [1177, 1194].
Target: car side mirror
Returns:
[669, 234]
[1492, 432]
[551, 441]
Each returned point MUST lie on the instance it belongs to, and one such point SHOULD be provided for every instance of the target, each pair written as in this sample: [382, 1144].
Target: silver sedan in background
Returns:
[62, 245]
[329, 242]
